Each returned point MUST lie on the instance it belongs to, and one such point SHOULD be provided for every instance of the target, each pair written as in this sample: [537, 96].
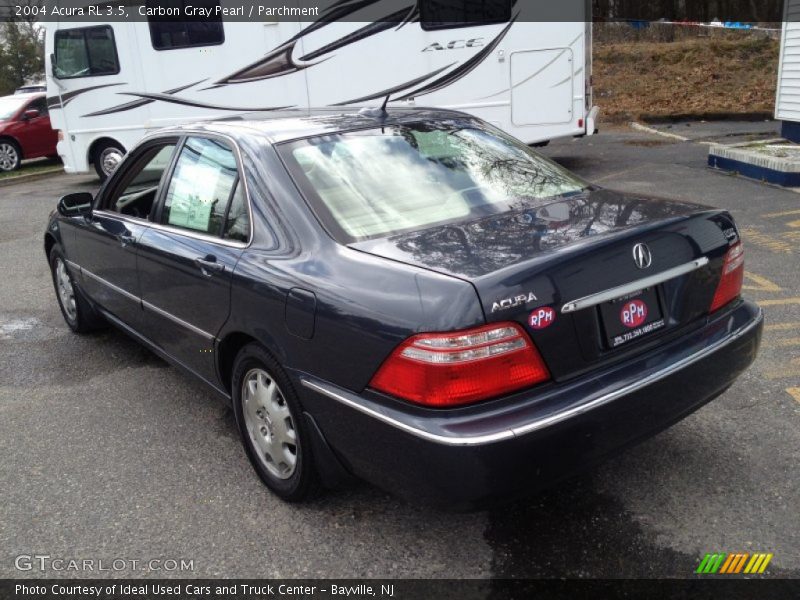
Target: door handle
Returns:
[209, 265]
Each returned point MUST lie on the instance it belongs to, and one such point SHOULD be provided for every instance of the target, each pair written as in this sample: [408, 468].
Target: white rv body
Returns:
[532, 79]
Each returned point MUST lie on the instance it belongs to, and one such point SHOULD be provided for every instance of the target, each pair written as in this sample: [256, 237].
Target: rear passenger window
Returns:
[171, 33]
[201, 187]
[237, 223]
[445, 14]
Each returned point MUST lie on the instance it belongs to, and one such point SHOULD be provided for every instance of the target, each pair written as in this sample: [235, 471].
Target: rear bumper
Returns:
[466, 456]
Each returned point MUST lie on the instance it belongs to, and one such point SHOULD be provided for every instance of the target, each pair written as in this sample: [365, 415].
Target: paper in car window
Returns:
[193, 197]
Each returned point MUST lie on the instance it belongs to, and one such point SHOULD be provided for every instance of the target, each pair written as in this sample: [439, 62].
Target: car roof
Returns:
[287, 125]
[24, 96]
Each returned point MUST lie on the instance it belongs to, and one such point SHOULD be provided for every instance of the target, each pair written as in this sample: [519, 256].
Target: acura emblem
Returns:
[642, 256]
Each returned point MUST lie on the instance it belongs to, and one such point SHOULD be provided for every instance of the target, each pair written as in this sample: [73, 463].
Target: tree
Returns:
[21, 52]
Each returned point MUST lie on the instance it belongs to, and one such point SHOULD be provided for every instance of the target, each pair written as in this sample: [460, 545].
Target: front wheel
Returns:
[271, 427]
[78, 313]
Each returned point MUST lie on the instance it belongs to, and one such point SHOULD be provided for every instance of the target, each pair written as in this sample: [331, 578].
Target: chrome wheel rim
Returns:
[109, 159]
[8, 157]
[269, 423]
[66, 293]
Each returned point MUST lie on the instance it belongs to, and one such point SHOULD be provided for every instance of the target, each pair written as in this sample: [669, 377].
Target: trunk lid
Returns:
[550, 255]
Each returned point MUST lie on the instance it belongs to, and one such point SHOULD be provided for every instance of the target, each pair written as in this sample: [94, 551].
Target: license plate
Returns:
[631, 317]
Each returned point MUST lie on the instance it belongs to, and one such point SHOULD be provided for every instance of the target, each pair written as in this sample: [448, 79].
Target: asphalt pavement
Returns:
[108, 453]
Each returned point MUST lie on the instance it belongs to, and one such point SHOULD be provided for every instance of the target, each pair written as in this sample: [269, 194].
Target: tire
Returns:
[10, 155]
[77, 312]
[106, 158]
[271, 425]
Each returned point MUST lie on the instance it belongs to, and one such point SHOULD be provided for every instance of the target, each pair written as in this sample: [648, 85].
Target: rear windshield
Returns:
[379, 182]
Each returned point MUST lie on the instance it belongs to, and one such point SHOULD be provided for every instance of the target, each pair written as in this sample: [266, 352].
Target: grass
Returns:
[691, 77]
[31, 168]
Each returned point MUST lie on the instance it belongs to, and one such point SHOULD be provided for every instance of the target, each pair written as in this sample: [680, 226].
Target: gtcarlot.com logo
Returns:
[46, 562]
[725, 563]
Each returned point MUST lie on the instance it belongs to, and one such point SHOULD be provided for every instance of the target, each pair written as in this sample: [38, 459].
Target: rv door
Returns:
[541, 86]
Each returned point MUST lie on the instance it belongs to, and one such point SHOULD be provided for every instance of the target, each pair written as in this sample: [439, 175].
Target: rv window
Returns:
[445, 14]
[201, 187]
[85, 52]
[171, 33]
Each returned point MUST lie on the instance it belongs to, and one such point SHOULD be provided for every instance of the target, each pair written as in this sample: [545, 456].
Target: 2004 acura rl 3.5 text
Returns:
[411, 297]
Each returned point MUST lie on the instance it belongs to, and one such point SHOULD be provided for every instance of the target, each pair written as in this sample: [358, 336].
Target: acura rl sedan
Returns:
[409, 297]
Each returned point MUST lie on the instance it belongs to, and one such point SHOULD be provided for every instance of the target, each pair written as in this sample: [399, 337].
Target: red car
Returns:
[25, 130]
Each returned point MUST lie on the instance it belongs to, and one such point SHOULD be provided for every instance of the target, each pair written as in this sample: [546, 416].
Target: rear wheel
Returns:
[271, 425]
[78, 313]
[107, 156]
[10, 155]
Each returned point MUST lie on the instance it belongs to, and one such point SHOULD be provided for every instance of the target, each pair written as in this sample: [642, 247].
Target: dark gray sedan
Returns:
[413, 297]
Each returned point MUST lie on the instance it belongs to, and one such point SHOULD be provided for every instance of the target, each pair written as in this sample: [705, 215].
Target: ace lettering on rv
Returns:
[455, 45]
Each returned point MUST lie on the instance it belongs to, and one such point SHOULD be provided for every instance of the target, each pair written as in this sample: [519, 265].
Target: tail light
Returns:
[730, 285]
[451, 369]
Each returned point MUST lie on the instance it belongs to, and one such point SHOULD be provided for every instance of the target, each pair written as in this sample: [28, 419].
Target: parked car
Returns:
[25, 130]
[34, 87]
[414, 298]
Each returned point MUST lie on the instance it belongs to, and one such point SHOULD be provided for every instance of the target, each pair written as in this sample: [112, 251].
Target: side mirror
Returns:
[30, 114]
[75, 204]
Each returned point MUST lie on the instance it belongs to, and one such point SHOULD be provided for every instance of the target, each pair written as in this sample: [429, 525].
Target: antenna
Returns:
[377, 113]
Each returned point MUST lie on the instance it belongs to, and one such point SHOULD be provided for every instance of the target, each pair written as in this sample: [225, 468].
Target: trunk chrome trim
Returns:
[454, 440]
[152, 307]
[633, 286]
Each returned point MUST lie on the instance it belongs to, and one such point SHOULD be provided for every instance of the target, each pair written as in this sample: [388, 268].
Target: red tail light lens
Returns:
[730, 285]
[451, 369]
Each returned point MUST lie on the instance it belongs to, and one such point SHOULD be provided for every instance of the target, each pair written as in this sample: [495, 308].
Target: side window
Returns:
[136, 191]
[170, 33]
[85, 52]
[201, 187]
[39, 104]
[446, 14]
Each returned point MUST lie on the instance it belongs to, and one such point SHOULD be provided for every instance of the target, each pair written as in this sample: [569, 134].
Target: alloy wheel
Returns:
[66, 293]
[269, 423]
[9, 157]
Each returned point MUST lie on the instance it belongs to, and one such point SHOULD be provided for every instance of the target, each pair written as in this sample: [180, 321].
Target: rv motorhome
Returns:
[110, 83]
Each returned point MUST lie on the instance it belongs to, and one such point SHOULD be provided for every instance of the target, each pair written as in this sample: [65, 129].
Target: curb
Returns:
[9, 181]
[740, 160]
[652, 131]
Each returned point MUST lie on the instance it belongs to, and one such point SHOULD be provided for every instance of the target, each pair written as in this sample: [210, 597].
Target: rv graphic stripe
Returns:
[173, 100]
[358, 35]
[277, 63]
[137, 103]
[64, 99]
